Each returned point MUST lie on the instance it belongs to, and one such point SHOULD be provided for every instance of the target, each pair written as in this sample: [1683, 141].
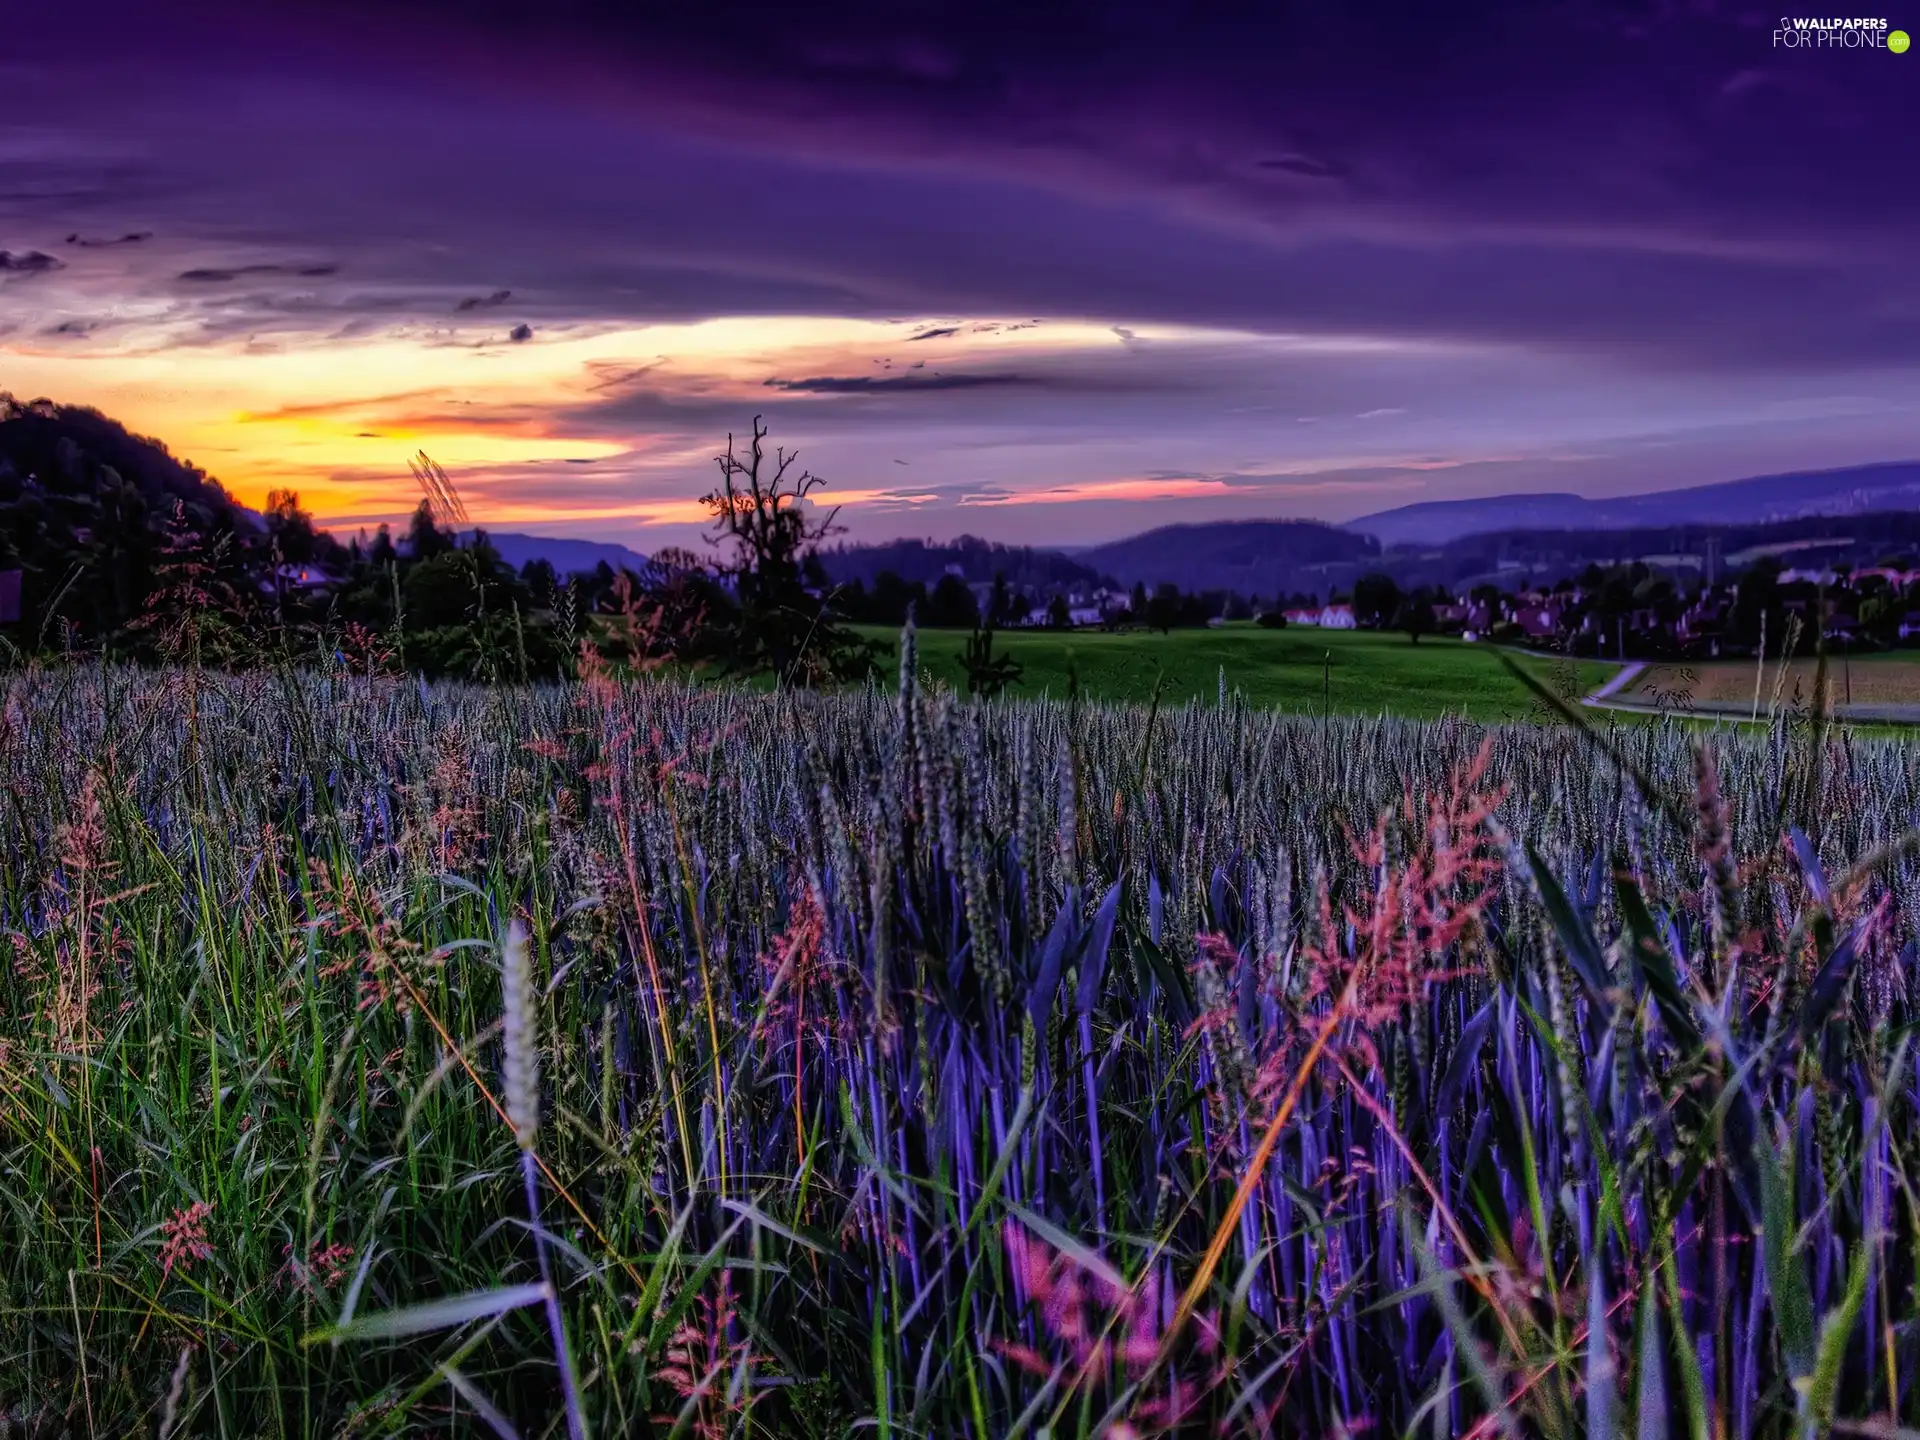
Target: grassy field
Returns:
[622, 1059]
[1295, 670]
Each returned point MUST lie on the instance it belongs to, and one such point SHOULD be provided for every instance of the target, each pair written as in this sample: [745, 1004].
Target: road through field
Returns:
[1617, 682]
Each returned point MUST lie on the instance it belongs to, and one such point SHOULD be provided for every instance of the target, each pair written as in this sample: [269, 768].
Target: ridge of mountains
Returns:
[1759, 499]
[1855, 513]
[567, 556]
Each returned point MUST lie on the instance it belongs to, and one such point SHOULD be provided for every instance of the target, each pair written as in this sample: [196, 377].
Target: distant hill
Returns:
[65, 455]
[568, 557]
[1512, 558]
[977, 561]
[85, 507]
[1254, 557]
[1760, 499]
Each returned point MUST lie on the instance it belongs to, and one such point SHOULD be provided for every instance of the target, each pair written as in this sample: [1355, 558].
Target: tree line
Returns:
[126, 553]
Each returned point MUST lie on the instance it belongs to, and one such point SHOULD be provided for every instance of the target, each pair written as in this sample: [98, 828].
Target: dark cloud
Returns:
[938, 332]
[28, 262]
[211, 275]
[1301, 165]
[1666, 188]
[1538, 111]
[892, 384]
[132, 237]
[485, 302]
[520, 332]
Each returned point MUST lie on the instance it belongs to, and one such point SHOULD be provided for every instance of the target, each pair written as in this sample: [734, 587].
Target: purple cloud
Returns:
[1565, 230]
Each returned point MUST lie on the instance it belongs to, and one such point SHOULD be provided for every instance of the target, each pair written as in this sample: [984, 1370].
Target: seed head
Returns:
[522, 1036]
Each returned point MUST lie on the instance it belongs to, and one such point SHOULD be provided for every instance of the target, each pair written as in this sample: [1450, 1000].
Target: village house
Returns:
[1325, 617]
[299, 577]
[1538, 616]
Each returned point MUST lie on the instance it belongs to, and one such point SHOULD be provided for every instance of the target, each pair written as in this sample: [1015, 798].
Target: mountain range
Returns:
[568, 557]
[1760, 499]
[1267, 556]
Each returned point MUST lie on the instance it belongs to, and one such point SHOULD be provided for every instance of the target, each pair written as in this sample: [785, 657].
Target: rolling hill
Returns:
[1760, 499]
[1254, 557]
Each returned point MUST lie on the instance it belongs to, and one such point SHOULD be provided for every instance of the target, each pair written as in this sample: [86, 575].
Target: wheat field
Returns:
[629, 1058]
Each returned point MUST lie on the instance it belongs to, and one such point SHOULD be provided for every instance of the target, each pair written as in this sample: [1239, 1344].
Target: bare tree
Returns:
[785, 620]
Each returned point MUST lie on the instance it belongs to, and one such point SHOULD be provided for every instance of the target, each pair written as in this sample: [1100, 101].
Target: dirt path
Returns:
[1619, 681]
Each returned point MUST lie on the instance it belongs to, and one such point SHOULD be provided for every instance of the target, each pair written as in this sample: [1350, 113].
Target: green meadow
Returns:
[1298, 669]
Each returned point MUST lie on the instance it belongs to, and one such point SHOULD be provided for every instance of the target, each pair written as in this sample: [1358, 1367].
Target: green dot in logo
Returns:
[1897, 42]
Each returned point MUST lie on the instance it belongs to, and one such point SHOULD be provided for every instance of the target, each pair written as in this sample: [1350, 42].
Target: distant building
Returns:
[1327, 617]
[1704, 617]
[301, 577]
[1538, 620]
[9, 597]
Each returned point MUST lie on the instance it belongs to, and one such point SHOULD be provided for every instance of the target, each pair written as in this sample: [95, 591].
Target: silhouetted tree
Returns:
[425, 538]
[1165, 609]
[542, 583]
[1376, 599]
[951, 606]
[381, 554]
[291, 528]
[1415, 616]
[892, 598]
[763, 520]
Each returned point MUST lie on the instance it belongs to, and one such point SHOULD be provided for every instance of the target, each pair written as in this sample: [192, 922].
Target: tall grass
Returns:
[380, 1058]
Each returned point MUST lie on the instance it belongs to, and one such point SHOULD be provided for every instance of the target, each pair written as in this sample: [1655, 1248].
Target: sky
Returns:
[1047, 273]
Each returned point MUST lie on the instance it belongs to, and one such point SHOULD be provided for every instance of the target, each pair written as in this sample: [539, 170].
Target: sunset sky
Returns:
[1047, 273]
